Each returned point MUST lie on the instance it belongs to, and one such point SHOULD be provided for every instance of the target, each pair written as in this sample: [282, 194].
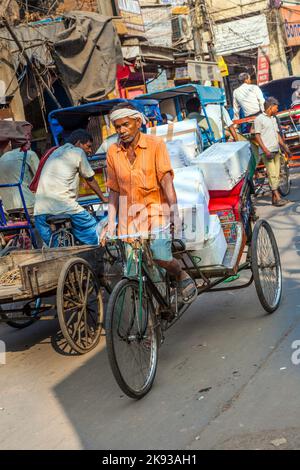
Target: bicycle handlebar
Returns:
[140, 235]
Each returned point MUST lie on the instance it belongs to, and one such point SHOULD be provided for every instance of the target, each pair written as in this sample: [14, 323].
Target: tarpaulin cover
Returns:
[87, 54]
[19, 132]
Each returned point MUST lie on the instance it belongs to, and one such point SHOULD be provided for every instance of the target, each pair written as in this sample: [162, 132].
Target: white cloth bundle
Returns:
[127, 112]
[190, 186]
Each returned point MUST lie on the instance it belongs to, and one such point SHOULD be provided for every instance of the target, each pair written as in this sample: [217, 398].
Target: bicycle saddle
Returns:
[58, 219]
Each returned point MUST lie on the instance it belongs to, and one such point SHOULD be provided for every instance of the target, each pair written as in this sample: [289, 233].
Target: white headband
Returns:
[127, 112]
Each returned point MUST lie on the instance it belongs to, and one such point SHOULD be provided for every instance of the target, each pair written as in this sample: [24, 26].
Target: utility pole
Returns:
[278, 62]
[202, 30]
[196, 21]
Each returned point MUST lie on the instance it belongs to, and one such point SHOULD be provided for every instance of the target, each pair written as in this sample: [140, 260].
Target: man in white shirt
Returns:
[58, 189]
[11, 163]
[247, 97]
[269, 140]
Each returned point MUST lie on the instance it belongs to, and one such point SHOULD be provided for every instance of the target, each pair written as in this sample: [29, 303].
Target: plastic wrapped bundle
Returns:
[177, 154]
[212, 251]
[192, 199]
[224, 164]
[190, 186]
[187, 132]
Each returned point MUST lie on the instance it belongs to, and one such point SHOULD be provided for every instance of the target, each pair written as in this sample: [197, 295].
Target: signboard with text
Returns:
[263, 65]
[291, 24]
[241, 35]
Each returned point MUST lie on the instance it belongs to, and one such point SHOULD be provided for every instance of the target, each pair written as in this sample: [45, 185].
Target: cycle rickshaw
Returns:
[136, 313]
[73, 276]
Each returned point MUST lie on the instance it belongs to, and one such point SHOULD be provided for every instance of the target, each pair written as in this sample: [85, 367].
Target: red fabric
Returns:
[225, 203]
[296, 106]
[19, 224]
[34, 183]
[236, 191]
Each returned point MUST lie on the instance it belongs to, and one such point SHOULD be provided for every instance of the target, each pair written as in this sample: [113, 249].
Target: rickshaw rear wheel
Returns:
[266, 266]
[285, 181]
[132, 338]
[79, 305]
[31, 315]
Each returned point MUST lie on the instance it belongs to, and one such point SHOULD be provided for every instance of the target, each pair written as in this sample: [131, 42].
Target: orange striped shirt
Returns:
[141, 196]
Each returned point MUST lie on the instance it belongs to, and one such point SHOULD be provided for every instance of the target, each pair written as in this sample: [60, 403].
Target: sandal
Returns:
[188, 290]
[279, 203]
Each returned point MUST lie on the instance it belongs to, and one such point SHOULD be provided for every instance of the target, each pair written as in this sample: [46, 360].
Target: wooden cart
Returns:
[74, 276]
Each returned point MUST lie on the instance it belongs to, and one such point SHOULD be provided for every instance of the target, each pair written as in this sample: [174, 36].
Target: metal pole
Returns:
[195, 15]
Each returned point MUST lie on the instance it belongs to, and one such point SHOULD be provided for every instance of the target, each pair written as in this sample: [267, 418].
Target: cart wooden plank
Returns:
[40, 269]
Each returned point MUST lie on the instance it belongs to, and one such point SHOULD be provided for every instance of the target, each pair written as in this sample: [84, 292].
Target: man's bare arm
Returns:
[283, 145]
[170, 194]
[233, 132]
[113, 207]
[261, 144]
[95, 187]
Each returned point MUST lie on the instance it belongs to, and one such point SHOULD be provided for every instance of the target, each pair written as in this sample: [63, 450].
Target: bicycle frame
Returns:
[142, 275]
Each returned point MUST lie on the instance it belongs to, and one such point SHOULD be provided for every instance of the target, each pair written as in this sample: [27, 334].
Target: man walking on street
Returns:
[270, 141]
[247, 97]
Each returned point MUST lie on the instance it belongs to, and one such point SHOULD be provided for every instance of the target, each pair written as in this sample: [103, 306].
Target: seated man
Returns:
[58, 188]
[11, 163]
[217, 117]
[140, 179]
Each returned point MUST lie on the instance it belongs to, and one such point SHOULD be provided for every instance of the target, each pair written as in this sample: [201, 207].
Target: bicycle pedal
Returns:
[168, 315]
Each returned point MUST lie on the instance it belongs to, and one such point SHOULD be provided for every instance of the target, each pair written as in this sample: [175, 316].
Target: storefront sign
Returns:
[291, 22]
[203, 71]
[263, 65]
[130, 11]
[241, 35]
[223, 66]
[158, 25]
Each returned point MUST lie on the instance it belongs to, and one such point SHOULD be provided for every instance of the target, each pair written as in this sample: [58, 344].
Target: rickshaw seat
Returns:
[58, 219]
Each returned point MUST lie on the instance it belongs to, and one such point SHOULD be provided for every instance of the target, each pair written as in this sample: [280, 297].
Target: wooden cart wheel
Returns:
[79, 305]
[266, 267]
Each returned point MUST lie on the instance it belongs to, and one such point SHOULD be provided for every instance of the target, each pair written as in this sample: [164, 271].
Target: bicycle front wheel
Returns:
[132, 339]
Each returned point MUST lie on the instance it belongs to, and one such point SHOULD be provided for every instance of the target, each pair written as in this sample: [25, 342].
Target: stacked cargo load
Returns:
[208, 186]
[183, 140]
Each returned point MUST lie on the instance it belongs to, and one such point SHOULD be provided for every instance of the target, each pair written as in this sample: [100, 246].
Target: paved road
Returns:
[225, 376]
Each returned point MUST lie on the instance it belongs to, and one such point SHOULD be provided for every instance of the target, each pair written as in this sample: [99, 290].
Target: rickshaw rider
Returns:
[140, 174]
[58, 187]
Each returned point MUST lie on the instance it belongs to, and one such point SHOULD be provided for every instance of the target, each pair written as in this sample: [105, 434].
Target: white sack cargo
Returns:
[212, 251]
[224, 164]
[190, 185]
[186, 132]
[192, 199]
[178, 155]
